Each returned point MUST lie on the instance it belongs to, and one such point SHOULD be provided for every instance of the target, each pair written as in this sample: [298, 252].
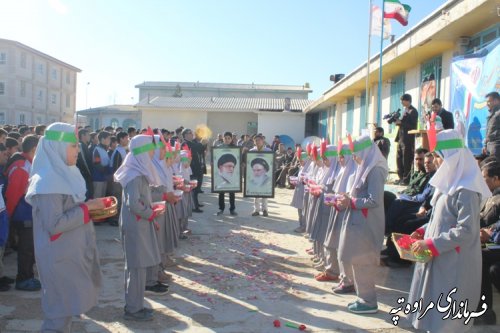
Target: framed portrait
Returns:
[226, 169]
[259, 174]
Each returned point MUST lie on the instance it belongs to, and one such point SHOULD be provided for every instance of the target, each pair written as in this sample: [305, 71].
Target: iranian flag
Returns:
[396, 10]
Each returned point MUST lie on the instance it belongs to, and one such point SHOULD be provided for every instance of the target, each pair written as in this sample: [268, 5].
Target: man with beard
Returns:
[224, 177]
[259, 203]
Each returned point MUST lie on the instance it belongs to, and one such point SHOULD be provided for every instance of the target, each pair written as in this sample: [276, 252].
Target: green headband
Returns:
[303, 156]
[169, 154]
[184, 159]
[449, 144]
[60, 136]
[160, 144]
[345, 152]
[362, 145]
[144, 149]
[331, 153]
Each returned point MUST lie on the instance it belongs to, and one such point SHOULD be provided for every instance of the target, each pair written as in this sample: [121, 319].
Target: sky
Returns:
[120, 43]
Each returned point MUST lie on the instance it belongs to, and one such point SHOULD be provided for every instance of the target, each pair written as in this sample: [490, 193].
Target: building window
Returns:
[54, 74]
[397, 90]
[115, 123]
[40, 68]
[2, 88]
[22, 91]
[129, 123]
[22, 119]
[68, 101]
[3, 58]
[23, 60]
[483, 38]
[39, 96]
[53, 98]
[68, 78]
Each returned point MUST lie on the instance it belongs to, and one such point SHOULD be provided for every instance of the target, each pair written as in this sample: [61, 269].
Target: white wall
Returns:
[277, 123]
[235, 122]
[171, 120]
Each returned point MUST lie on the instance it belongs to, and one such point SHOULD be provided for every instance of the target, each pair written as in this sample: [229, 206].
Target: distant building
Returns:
[240, 108]
[112, 115]
[35, 88]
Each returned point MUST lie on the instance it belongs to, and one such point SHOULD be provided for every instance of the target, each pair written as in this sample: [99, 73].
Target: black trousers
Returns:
[25, 252]
[491, 275]
[222, 205]
[404, 159]
[197, 190]
[399, 212]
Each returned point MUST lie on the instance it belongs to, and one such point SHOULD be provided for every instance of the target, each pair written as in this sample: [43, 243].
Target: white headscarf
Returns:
[137, 162]
[49, 173]
[459, 169]
[161, 166]
[331, 155]
[185, 172]
[345, 173]
[371, 157]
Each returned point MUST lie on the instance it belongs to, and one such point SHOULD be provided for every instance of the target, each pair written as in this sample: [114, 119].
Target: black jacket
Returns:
[197, 151]
[447, 119]
[408, 123]
[493, 126]
[84, 161]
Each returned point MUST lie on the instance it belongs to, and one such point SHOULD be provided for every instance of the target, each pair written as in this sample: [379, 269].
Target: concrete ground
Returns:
[234, 274]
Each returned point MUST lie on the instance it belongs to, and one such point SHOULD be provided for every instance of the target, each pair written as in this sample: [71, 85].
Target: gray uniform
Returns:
[168, 235]
[454, 231]
[69, 265]
[139, 240]
[361, 238]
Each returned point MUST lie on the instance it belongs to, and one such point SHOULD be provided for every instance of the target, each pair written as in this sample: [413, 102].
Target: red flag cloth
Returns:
[431, 132]
[150, 131]
[351, 143]
[314, 152]
[299, 153]
[339, 145]
[323, 148]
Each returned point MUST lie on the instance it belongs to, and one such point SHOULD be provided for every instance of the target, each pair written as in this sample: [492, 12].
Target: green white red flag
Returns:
[397, 10]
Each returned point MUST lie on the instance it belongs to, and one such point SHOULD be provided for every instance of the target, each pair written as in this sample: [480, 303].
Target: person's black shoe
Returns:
[395, 263]
[201, 191]
[113, 223]
[142, 315]
[183, 236]
[197, 210]
[384, 252]
[220, 212]
[264, 213]
[255, 214]
[201, 205]
[4, 287]
[488, 318]
[7, 280]
[232, 212]
[157, 289]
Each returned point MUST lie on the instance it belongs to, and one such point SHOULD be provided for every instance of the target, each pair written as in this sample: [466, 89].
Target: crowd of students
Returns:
[54, 177]
[447, 205]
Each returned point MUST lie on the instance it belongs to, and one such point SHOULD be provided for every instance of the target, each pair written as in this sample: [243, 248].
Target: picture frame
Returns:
[261, 165]
[226, 169]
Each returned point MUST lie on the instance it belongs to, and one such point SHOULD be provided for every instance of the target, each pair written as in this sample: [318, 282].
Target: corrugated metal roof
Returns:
[224, 103]
[234, 86]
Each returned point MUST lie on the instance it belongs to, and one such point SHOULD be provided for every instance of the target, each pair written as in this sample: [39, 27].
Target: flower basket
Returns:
[178, 180]
[315, 190]
[403, 245]
[110, 210]
[187, 188]
[193, 183]
[293, 180]
[330, 199]
[178, 193]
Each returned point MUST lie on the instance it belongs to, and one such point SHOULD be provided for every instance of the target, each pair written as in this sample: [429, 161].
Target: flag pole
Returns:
[367, 83]
[379, 97]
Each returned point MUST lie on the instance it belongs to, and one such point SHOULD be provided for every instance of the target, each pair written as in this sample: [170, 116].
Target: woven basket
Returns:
[101, 214]
[408, 254]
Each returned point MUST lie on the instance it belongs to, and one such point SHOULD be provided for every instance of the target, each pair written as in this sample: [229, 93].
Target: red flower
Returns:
[405, 242]
[107, 202]
[302, 327]
[277, 323]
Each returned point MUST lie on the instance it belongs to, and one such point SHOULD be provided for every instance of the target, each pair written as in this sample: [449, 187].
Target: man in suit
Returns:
[406, 142]
[446, 116]
[196, 167]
